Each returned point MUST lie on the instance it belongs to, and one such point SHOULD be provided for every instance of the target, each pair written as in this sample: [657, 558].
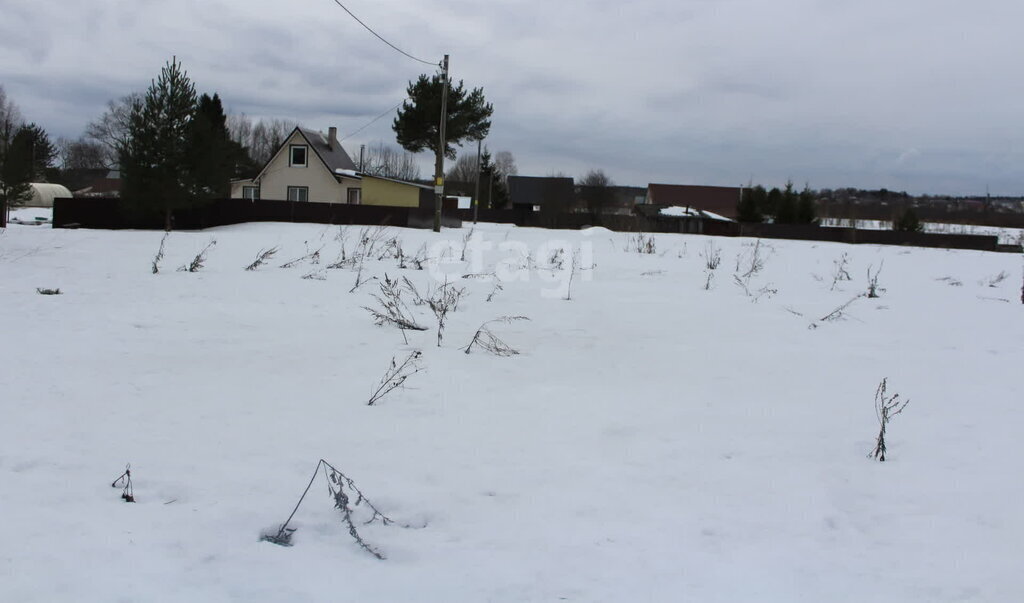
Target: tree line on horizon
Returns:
[175, 148]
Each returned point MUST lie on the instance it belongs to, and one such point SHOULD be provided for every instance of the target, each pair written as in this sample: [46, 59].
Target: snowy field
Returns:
[655, 440]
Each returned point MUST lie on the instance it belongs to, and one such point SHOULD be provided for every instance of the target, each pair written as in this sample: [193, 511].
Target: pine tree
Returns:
[908, 222]
[493, 193]
[42, 153]
[213, 156]
[416, 126]
[14, 177]
[749, 207]
[786, 212]
[155, 158]
[16, 170]
[806, 213]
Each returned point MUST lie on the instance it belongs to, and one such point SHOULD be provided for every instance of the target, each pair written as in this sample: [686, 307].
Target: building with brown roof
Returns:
[721, 200]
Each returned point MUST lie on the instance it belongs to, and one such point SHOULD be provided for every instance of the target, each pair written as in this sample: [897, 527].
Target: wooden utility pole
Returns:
[476, 193]
[439, 160]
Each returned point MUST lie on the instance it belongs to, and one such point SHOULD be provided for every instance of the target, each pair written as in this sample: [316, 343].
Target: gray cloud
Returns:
[918, 95]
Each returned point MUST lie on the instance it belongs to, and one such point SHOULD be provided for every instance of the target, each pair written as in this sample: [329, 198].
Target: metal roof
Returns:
[334, 158]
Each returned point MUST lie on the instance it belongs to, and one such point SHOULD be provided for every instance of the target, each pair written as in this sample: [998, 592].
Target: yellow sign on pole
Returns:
[439, 181]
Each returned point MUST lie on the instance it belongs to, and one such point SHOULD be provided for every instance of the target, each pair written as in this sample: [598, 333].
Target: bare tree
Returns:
[464, 168]
[240, 128]
[595, 190]
[389, 162]
[595, 178]
[110, 130]
[505, 164]
[10, 120]
[260, 139]
[81, 154]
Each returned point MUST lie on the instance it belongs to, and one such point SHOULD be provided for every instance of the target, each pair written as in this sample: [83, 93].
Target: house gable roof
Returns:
[333, 159]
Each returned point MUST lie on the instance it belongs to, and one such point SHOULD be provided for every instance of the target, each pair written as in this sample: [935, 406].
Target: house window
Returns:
[354, 196]
[251, 193]
[297, 155]
[298, 193]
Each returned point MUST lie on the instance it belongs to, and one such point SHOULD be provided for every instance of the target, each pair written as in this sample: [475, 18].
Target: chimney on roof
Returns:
[332, 137]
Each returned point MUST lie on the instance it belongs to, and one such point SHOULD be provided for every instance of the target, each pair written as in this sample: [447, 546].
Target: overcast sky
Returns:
[919, 95]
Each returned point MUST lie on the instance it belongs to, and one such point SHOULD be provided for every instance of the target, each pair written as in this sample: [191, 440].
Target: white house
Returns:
[307, 167]
[311, 167]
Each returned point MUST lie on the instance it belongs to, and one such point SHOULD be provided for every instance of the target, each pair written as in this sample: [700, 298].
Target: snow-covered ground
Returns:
[32, 216]
[1007, 236]
[654, 440]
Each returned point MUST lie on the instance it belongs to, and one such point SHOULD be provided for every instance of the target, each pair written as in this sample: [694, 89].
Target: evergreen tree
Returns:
[786, 211]
[806, 212]
[751, 201]
[155, 158]
[416, 126]
[213, 157]
[493, 192]
[15, 170]
[908, 222]
[42, 153]
[13, 179]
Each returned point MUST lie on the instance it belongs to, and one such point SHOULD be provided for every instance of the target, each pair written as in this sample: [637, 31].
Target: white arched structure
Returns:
[43, 194]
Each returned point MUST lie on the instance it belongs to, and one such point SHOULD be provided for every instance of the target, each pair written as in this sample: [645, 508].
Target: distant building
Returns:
[313, 167]
[96, 183]
[617, 200]
[721, 200]
[537, 193]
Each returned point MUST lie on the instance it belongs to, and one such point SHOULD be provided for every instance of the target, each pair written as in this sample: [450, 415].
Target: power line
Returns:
[374, 120]
[369, 29]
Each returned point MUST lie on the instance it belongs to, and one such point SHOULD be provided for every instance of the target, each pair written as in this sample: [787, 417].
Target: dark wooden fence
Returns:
[873, 237]
[926, 212]
[111, 214]
[663, 224]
